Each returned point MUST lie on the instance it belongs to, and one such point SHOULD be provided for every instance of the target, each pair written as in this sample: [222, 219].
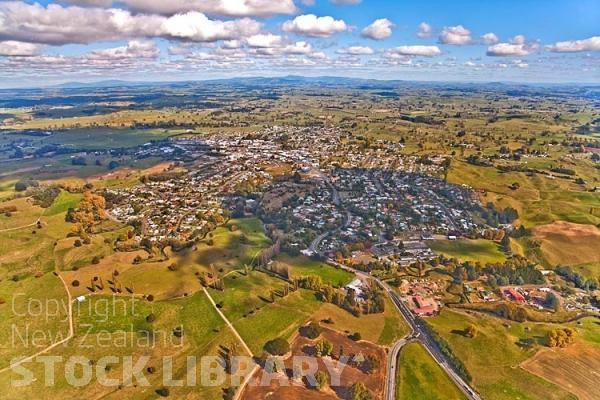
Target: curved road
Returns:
[417, 331]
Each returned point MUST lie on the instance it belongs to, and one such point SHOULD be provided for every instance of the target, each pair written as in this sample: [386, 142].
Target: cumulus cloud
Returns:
[356, 50]
[490, 38]
[457, 35]
[311, 25]
[517, 46]
[264, 40]
[89, 3]
[573, 46]
[14, 48]
[380, 29]
[424, 30]
[135, 49]
[196, 26]
[230, 8]
[427, 51]
[59, 25]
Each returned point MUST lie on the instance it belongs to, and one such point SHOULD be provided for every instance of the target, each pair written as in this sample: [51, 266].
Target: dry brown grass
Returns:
[568, 243]
[576, 369]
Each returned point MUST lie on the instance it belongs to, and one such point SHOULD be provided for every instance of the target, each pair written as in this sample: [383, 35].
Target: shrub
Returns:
[277, 347]
[163, 392]
[313, 330]
[356, 336]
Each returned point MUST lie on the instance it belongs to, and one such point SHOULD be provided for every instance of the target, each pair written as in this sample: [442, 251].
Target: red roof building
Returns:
[516, 296]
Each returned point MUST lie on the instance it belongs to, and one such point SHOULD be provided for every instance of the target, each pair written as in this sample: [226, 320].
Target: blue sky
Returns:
[464, 40]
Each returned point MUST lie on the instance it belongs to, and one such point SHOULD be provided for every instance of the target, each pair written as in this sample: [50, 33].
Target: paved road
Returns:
[417, 331]
[390, 385]
[419, 334]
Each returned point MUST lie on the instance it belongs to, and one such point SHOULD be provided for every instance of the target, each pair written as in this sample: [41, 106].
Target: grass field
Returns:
[305, 266]
[539, 200]
[494, 355]
[118, 335]
[24, 310]
[26, 213]
[229, 251]
[383, 329]
[63, 202]
[419, 377]
[484, 251]
[280, 319]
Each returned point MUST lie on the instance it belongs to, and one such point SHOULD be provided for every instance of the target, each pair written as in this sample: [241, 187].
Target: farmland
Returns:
[493, 356]
[254, 194]
[484, 251]
[418, 376]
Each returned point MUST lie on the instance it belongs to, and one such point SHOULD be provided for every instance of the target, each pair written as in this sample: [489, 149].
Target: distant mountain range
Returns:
[294, 80]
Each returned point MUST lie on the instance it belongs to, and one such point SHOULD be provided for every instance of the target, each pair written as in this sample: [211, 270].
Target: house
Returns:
[516, 296]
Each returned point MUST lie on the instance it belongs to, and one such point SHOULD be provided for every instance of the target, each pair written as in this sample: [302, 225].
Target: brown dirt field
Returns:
[302, 346]
[566, 229]
[568, 243]
[126, 171]
[576, 369]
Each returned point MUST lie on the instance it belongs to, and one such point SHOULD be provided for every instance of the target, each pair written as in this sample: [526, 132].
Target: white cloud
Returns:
[455, 35]
[230, 8]
[232, 44]
[59, 25]
[519, 39]
[517, 46]
[196, 26]
[424, 30]
[135, 49]
[572, 46]
[14, 48]
[427, 51]
[356, 50]
[490, 38]
[311, 25]
[299, 48]
[264, 40]
[380, 29]
[89, 3]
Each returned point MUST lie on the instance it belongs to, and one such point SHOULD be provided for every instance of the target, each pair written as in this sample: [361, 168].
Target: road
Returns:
[390, 393]
[418, 334]
[417, 331]
[240, 390]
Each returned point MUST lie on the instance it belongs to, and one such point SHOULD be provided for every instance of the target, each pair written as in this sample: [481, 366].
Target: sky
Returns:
[48, 42]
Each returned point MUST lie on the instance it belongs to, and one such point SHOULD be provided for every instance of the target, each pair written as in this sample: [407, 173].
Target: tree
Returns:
[324, 348]
[356, 336]
[358, 391]
[313, 330]
[163, 392]
[560, 337]
[277, 347]
[372, 363]
[552, 301]
[321, 380]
